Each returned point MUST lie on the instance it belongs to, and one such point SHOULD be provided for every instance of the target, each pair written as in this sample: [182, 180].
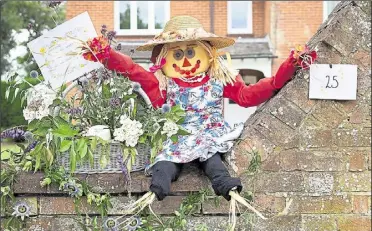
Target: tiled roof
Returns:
[251, 48]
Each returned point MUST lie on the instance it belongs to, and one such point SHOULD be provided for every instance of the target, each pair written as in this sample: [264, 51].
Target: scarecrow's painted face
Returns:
[186, 59]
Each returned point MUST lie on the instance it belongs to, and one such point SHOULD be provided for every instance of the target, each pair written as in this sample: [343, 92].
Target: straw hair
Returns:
[159, 73]
[185, 28]
[218, 67]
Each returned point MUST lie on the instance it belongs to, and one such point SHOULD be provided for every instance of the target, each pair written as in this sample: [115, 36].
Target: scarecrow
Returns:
[189, 71]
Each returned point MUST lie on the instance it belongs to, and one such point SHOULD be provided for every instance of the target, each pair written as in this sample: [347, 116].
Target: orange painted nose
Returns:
[186, 63]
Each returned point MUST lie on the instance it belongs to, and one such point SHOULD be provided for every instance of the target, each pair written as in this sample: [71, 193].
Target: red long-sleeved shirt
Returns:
[239, 92]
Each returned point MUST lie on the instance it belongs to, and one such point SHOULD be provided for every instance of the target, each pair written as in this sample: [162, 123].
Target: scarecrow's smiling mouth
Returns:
[187, 72]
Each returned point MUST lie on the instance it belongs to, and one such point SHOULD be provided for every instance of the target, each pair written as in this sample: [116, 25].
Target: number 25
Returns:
[334, 80]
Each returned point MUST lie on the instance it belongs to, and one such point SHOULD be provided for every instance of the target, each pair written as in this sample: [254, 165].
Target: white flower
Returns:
[129, 132]
[119, 134]
[170, 128]
[28, 115]
[21, 210]
[39, 98]
[131, 142]
[101, 131]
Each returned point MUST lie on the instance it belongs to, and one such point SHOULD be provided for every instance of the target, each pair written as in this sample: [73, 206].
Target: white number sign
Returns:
[333, 81]
[54, 50]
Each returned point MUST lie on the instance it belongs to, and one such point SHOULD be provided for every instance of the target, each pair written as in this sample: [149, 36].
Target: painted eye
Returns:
[178, 54]
[190, 53]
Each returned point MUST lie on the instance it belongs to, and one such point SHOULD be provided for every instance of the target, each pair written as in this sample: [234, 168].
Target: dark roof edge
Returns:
[144, 60]
[254, 56]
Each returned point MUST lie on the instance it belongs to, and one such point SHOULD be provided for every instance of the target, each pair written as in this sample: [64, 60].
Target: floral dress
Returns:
[203, 105]
[204, 120]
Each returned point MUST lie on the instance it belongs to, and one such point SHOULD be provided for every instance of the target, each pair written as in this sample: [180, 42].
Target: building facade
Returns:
[265, 31]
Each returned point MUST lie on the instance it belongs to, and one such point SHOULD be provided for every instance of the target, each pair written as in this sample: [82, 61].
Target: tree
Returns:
[35, 16]
[125, 20]
[11, 112]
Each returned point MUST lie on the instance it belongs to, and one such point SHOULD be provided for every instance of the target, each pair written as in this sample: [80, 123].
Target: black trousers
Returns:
[165, 172]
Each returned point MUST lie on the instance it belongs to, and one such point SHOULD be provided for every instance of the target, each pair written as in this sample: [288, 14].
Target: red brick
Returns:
[221, 206]
[357, 162]
[63, 205]
[272, 163]
[293, 160]
[321, 205]
[360, 204]
[168, 206]
[353, 182]
[354, 223]
[268, 203]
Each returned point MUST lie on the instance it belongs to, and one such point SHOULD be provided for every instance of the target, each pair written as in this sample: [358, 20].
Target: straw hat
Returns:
[185, 28]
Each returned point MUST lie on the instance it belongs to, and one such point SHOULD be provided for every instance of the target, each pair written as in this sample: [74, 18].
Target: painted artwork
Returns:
[57, 52]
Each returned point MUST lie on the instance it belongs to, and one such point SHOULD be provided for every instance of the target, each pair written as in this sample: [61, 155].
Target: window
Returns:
[328, 7]
[239, 17]
[249, 76]
[140, 17]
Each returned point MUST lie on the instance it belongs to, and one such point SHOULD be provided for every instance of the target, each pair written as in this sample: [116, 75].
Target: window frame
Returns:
[133, 19]
[249, 29]
[325, 9]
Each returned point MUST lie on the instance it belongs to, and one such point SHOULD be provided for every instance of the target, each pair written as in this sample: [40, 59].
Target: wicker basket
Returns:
[113, 165]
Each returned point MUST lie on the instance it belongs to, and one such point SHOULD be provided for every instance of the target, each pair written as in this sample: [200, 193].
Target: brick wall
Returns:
[220, 18]
[197, 9]
[291, 23]
[316, 154]
[101, 12]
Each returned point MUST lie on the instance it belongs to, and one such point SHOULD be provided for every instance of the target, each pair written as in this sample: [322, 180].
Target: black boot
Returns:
[220, 177]
[163, 173]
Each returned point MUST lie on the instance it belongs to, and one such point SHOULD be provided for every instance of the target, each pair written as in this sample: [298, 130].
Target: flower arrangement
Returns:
[303, 56]
[105, 100]
[106, 109]
[61, 126]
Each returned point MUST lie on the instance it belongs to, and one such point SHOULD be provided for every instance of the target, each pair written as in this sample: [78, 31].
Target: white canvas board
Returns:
[53, 51]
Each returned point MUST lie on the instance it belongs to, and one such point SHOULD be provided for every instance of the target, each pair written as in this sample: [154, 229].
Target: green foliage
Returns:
[57, 136]
[65, 132]
[13, 98]
[11, 112]
[125, 18]
[190, 206]
[12, 224]
[8, 175]
[17, 15]
[255, 162]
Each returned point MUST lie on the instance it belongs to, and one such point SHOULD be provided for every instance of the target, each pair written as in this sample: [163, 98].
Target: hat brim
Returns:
[217, 42]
